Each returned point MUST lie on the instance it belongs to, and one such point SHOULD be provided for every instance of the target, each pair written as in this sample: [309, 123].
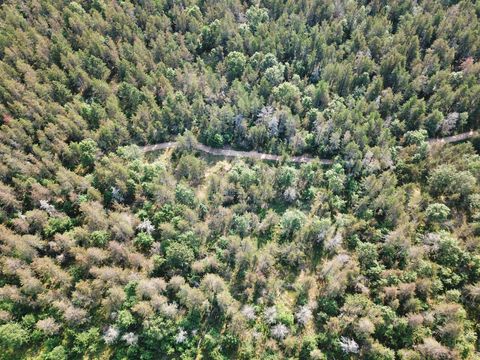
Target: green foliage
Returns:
[367, 255]
[217, 141]
[12, 338]
[57, 353]
[291, 222]
[235, 62]
[416, 137]
[284, 316]
[336, 179]
[125, 319]
[87, 152]
[99, 238]
[437, 212]
[289, 95]
[286, 177]
[179, 256]
[143, 241]
[456, 185]
[57, 225]
[449, 253]
[185, 195]
[366, 246]
[130, 98]
[256, 16]
[191, 169]
[87, 342]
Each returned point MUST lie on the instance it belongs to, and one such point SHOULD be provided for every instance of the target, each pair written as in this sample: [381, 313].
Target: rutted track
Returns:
[228, 152]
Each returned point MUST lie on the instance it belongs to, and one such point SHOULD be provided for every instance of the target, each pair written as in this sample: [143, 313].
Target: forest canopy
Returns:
[107, 252]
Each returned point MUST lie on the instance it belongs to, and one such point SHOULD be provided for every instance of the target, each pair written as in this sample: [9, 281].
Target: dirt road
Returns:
[228, 152]
[455, 138]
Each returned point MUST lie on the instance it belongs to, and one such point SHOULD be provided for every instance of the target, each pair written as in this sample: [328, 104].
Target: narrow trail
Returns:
[228, 152]
[455, 138]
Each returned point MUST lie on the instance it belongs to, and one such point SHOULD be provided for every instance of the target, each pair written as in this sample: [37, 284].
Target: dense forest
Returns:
[107, 252]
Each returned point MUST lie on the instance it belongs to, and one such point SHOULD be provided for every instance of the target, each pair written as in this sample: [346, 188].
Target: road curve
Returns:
[228, 152]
